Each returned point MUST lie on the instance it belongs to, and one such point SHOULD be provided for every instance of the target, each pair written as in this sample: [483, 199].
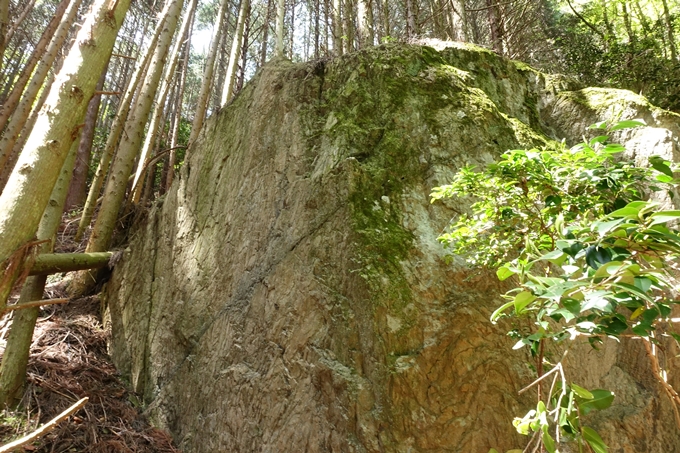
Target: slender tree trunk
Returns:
[115, 132]
[669, 31]
[348, 15]
[626, 22]
[28, 127]
[317, 29]
[12, 100]
[78, 188]
[156, 122]
[206, 85]
[178, 116]
[23, 109]
[365, 22]
[291, 34]
[496, 26]
[30, 186]
[265, 34]
[4, 26]
[121, 168]
[15, 357]
[411, 25]
[235, 52]
[19, 20]
[280, 15]
[459, 21]
[244, 53]
[337, 29]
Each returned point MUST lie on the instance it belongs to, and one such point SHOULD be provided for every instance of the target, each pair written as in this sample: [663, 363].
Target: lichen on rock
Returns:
[289, 293]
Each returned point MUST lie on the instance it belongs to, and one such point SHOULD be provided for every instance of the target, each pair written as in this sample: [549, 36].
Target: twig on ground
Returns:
[47, 427]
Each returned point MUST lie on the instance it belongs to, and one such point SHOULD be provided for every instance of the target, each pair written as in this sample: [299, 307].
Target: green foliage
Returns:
[632, 49]
[589, 255]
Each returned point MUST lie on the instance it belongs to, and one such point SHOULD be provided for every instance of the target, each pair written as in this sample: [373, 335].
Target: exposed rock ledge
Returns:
[289, 294]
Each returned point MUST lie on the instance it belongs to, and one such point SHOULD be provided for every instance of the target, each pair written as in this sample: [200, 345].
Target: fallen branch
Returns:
[35, 303]
[44, 429]
[52, 263]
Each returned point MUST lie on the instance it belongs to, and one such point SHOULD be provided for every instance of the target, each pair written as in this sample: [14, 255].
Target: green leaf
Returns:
[499, 311]
[613, 148]
[605, 227]
[548, 442]
[594, 440]
[598, 139]
[522, 300]
[602, 399]
[632, 209]
[664, 216]
[627, 124]
[595, 256]
[600, 125]
[660, 164]
[580, 391]
[504, 273]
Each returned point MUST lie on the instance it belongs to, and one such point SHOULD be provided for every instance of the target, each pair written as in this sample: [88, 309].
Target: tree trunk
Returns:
[265, 34]
[28, 127]
[12, 100]
[235, 52]
[669, 31]
[349, 29]
[337, 28]
[178, 115]
[156, 122]
[28, 191]
[114, 134]
[496, 26]
[365, 22]
[23, 109]
[15, 357]
[19, 20]
[411, 25]
[128, 150]
[4, 25]
[78, 189]
[459, 21]
[206, 85]
[280, 15]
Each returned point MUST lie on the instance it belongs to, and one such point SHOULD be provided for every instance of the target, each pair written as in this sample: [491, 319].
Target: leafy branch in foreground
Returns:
[590, 256]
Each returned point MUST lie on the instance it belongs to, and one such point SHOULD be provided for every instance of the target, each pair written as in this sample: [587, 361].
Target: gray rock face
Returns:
[289, 293]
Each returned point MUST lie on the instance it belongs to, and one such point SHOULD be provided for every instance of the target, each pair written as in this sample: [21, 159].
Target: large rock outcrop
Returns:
[289, 294]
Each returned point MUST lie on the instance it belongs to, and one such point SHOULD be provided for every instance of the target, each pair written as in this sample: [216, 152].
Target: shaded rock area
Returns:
[289, 294]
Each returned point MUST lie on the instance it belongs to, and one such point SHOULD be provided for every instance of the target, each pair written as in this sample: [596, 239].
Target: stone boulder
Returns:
[289, 294]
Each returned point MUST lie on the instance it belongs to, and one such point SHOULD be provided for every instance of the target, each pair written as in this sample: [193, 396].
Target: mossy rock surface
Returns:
[290, 294]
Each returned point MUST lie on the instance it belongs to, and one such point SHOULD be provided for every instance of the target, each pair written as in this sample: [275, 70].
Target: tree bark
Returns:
[15, 358]
[115, 132]
[19, 20]
[348, 10]
[236, 46]
[206, 85]
[23, 109]
[170, 175]
[365, 22]
[411, 23]
[19, 145]
[12, 100]
[78, 189]
[156, 122]
[265, 34]
[337, 28]
[4, 25]
[128, 150]
[280, 15]
[28, 191]
[669, 31]
[496, 26]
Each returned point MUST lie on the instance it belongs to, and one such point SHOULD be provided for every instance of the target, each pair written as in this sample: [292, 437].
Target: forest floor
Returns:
[69, 361]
